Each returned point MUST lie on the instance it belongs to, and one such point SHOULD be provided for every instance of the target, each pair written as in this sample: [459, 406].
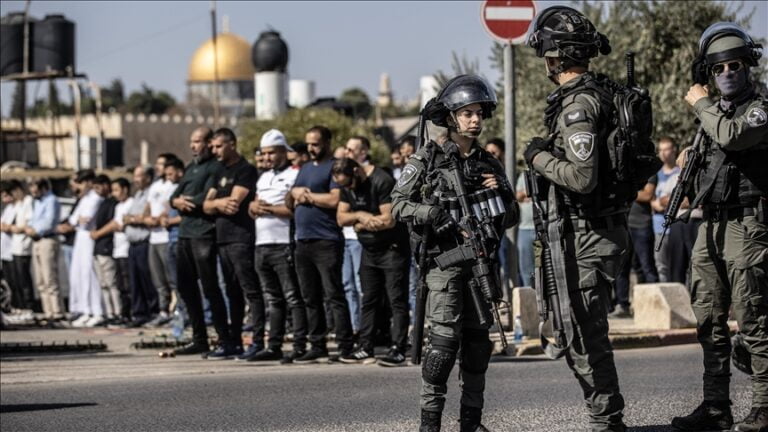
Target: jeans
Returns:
[682, 237]
[197, 268]
[503, 255]
[318, 266]
[160, 271]
[241, 279]
[661, 258]
[385, 273]
[278, 278]
[641, 253]
[525, 238]
[143, 294]
[413, 284]
[350, 277]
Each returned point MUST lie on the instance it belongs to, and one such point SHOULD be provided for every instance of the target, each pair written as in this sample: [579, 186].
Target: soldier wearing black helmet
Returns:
[573, 158]
[729, 263]
[422, 198]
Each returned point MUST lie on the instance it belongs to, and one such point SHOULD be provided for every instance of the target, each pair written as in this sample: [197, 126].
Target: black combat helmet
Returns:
[459, 92]
[560, 31]
[720, 42]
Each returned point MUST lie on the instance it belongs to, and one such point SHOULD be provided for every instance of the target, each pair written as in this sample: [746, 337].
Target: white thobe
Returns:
[84, 291]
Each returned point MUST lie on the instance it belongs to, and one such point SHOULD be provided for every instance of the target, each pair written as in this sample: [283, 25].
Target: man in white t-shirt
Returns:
[6, 220]
[274, 252]
[22, 295]
[158, 205]
[121, 191]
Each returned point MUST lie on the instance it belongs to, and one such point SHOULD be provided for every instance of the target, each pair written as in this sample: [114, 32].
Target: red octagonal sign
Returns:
[508, 20]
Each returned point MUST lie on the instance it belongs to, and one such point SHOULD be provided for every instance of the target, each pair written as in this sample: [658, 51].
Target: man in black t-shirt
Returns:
[228, 200]
[366, 205]
[103, 263]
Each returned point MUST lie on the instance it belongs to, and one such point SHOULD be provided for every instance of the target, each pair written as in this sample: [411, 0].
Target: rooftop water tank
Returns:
[269, 53]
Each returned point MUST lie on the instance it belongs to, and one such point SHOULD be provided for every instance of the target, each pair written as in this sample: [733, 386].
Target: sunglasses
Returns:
[720, 68]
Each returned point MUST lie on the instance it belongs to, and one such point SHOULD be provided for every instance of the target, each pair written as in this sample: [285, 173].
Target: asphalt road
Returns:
[130, 392]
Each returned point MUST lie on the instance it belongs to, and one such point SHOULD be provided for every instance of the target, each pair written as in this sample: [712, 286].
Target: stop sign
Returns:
[508, 20]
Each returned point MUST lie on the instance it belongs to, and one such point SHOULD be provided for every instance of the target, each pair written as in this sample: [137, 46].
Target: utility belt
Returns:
[725, 213]
[580, 224]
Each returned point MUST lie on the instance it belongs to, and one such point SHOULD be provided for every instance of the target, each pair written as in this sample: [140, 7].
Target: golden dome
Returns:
[234, 59]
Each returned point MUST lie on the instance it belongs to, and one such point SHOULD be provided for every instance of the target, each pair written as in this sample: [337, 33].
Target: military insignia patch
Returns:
[407, 175]
[756, 117]
[582, 144]
[575, 117]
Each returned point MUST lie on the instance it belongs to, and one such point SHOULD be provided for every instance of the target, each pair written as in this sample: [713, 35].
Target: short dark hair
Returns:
[408, 139]
[363, 140]
[344, 166]
[299, 147]
[207, 133]
[498, 142]
[167, 156]
[227, 134]
[176, 163]
[84, 175]
[13, 185]
[43, 183]
[102, 179]
[325, 134]
[123, 183]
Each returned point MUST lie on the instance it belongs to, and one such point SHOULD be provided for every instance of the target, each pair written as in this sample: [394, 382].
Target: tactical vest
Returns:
[742, 178]
[610, 195]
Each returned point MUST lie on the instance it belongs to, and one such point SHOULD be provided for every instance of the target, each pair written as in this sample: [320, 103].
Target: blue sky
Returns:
[337, 44]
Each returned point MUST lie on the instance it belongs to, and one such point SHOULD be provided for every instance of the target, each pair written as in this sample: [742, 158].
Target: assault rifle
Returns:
[549, 279]
[479, 234]
[684, 181]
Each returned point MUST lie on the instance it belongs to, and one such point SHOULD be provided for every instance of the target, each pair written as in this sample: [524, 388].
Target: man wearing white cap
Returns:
[274, 247]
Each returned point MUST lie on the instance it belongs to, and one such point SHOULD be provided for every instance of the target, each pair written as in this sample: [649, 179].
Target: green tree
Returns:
[359, 100]
[113, 96]
[460, 65]
[17, 105]
[664, 49]
[148, 101]
[294, 125]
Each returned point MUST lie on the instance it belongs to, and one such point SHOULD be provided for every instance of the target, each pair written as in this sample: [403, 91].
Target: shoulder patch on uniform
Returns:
[409, 172]
[757, 117]
[417, 156]
[582, 144]
[575, 116]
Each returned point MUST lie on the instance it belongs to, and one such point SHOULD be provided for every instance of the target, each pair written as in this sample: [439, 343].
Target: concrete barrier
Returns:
[662, 306]
[524, 305]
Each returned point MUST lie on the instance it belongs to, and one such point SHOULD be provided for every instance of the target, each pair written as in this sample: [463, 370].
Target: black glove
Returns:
[535, 146]
[442, 221]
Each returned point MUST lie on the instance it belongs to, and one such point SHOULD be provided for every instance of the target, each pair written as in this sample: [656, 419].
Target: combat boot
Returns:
[430, 421]
[469, 420]
[709, 416]
[756, 421]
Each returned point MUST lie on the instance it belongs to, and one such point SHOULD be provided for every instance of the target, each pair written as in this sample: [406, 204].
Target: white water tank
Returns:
[271, 94]
[300, 93]
[427, 89]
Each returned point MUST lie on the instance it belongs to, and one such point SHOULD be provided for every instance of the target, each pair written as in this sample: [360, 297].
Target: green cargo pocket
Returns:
[443, 300]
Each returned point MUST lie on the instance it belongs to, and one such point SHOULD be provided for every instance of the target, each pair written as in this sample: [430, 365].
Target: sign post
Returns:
[507, 21]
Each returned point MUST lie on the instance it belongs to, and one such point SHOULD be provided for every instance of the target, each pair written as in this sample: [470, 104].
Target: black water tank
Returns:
[269, 53]
[12, 38]
[53, 47]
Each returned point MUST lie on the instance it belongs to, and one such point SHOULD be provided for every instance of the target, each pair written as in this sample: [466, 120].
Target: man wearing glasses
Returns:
[729, 264]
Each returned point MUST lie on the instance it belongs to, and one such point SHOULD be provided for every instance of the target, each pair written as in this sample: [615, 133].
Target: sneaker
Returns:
[620, 311]
[137, 322]
[395, 357]
[80, 321]
[362, 355]
[192, 348]
[314, 355]
[289, 358]
[710, 415]
[248, 354]
[756, 420]
[159, 320]
[225, 352]
[267, 354]
[94, 321]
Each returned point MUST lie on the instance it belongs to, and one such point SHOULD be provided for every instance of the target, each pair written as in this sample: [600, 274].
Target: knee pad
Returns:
[439, 359]
[476, 350]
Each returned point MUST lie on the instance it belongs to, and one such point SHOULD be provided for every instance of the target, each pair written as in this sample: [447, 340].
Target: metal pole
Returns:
[100, 142]
[25, 67]
[76, 104]
[215, 68]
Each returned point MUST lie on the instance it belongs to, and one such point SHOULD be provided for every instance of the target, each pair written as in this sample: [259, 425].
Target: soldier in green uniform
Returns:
[729, 264]
[574, 157]
[422, 198]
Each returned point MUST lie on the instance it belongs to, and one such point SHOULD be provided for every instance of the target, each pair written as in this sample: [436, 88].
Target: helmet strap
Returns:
[453, 126]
